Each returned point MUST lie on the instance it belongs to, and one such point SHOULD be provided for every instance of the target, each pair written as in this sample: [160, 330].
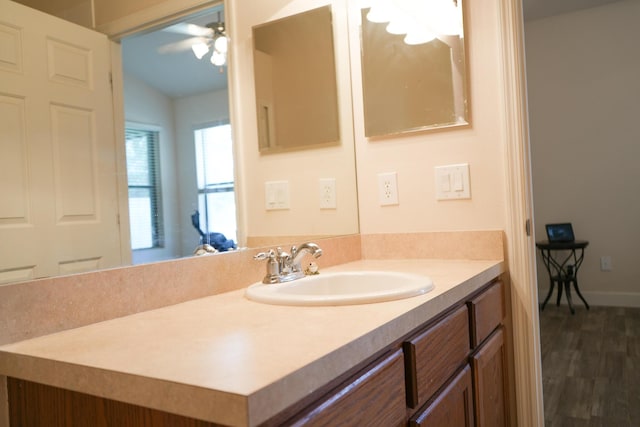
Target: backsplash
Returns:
[44, 306]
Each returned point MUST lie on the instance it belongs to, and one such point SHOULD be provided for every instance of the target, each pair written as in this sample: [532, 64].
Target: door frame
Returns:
[520, 251]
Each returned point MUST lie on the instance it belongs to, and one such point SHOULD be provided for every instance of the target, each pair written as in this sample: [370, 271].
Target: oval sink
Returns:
[342, 288]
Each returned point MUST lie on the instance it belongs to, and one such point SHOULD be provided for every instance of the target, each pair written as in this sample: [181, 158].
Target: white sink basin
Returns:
[343, 288]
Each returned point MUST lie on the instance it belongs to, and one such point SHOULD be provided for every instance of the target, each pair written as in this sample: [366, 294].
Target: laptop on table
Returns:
[560, 233]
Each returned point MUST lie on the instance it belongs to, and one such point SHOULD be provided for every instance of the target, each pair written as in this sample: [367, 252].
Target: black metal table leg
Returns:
[560, 286]
[575, 286]
[567, 289]
[548, 295]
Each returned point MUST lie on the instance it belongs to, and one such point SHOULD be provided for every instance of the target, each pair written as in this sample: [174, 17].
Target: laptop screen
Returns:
[560, 232]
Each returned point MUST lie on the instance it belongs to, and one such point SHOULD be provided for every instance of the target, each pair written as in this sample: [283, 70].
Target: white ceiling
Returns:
[182, 74]
[175, 74]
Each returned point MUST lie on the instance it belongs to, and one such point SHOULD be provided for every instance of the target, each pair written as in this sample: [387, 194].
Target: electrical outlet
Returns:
[327, 193]
[388, 188]
[605, 263]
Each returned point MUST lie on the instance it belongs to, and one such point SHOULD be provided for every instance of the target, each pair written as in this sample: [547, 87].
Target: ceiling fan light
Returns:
[416, 37]
[218, 59]
[379, 12]
[200, 49]
[221, 44]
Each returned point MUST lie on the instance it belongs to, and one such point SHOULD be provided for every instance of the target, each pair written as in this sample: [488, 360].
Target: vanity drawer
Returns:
[434, 355]
[487, 312]
[376, 396]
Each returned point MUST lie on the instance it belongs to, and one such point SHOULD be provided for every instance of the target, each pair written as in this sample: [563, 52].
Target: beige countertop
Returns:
[233, 361]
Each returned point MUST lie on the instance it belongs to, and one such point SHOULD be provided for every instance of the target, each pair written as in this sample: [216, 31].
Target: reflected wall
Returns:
[295, 81]
[410, 87]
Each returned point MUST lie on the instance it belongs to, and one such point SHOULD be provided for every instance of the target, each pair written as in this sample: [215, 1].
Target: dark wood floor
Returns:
[590, 366]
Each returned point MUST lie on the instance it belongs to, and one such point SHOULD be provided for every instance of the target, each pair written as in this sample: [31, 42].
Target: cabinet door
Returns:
[453, 407]
[435, 355]
[489, 366]
[374, 398]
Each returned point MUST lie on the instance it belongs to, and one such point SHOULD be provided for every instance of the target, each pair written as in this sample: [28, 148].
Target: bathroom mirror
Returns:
[335, 161]
[412, 87]
[295, 82]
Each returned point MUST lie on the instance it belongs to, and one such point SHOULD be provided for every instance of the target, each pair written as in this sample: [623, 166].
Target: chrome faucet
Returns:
[298, 252]
[285, 267]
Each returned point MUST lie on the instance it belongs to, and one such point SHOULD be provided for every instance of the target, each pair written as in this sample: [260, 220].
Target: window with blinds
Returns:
[143, 172]
[216, 191]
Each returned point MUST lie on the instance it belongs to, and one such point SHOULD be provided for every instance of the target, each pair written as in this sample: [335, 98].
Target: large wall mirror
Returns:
[414, 73]
[295, 81]
[177, 117]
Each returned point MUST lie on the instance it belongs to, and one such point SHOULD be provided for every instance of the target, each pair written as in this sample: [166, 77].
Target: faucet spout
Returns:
[297, 252]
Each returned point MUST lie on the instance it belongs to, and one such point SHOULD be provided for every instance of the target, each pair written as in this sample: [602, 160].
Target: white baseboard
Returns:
[610, 299]
[595, 299]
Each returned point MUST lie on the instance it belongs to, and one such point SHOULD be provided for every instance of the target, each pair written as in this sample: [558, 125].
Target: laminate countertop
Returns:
[230, 360]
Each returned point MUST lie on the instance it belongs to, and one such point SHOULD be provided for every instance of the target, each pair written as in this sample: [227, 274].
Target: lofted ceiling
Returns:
[176, 74]
[182, 74]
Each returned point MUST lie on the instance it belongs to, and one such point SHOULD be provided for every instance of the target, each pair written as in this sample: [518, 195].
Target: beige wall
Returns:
[304, 168]
[148, 106]
[415, 155]
[192, 112]
[582, 71]
[76, 11]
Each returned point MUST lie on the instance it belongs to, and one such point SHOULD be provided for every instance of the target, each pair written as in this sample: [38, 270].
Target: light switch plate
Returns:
[452, 182]
[276, 195]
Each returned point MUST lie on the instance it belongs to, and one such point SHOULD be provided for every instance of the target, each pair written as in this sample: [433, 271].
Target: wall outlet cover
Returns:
[388, 188]
[327, 193]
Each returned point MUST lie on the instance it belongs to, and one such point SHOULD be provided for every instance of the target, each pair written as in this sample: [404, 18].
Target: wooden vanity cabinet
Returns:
[454, 374]
[374, 397]
[489, 359]
[449, 372]
[477, 394]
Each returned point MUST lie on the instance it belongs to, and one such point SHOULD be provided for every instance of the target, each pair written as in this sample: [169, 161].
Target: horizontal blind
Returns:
[143, 176]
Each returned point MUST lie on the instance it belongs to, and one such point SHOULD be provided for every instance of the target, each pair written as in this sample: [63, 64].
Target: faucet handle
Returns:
[273, 266]
[264, 255]
[284, 256]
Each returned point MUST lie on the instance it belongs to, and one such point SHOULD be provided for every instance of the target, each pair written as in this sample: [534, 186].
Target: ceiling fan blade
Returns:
[180, 46]
[189, 29]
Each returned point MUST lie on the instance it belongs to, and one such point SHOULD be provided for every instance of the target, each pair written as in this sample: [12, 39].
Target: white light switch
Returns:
[445, 182]
[276, 195]
[452, 182]
[458, 185]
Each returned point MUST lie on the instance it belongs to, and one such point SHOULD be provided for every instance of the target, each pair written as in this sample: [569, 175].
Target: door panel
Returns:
[58, 195]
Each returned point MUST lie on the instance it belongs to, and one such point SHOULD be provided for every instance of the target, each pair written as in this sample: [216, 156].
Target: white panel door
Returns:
[58, 195]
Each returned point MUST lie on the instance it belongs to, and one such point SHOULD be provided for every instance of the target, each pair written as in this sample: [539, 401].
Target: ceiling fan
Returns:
[212, 37]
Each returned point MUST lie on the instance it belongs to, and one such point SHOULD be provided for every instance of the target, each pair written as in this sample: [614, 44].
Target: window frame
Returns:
[225, 187]
[157, 217]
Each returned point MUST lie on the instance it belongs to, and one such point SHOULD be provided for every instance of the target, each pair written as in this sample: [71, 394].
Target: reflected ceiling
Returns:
[140, 58]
